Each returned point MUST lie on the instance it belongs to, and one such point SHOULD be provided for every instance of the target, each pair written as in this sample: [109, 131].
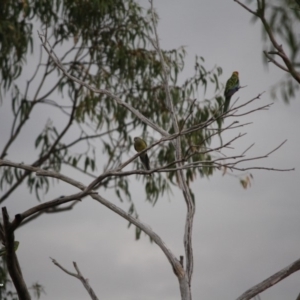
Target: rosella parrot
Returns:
[140, 145]
[232, 86]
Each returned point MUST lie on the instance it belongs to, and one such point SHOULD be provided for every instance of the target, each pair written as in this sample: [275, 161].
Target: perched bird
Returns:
[140, 145]
[3, 250]
[232, 86]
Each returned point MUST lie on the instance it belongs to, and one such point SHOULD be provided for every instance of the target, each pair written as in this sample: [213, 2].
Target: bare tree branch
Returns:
[86, 190]
[185, 284]
[272, 280]
[78, 276]
[51, 210]
[260, 13]
[271, 59]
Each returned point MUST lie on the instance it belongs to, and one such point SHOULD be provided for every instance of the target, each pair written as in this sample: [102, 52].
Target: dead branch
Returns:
[79, 276]
[272, 280]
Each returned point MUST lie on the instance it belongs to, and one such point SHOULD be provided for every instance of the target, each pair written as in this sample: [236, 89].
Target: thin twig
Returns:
[79, 276]
[271, 59]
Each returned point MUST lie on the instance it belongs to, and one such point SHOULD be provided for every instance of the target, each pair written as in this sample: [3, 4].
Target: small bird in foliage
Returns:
[232, 86]
[140, 145]
[3, 250]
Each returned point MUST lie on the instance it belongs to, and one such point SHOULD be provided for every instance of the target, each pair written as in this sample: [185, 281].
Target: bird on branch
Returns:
[232, 86]
[140, 145]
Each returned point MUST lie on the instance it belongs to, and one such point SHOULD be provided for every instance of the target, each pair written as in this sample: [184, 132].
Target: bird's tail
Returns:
[226, 104]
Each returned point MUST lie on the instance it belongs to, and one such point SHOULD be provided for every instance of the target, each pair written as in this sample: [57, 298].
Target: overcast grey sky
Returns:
[240, 236]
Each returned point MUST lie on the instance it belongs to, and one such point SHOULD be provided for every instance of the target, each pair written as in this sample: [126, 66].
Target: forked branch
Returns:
[79, 276]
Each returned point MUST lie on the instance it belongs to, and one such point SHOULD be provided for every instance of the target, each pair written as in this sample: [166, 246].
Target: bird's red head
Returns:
[236, 73]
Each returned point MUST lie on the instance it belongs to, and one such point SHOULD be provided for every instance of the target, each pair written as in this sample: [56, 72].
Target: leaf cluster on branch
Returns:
[109, 50]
